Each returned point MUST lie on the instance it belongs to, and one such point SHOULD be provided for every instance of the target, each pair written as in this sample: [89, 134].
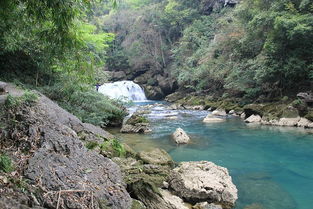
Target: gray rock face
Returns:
[180, 136]
[203, 181]
[63, 163]
[61, 166]
[9, 203]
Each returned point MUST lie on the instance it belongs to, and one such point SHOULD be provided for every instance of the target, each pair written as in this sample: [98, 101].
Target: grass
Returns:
[6, 164]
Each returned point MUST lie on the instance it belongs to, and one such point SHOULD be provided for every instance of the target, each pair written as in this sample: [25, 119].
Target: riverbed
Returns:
[271, 166]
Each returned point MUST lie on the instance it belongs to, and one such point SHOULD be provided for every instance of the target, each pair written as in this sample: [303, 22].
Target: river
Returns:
[271, 166]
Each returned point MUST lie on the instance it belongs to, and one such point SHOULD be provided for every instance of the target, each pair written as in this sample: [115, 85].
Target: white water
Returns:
[124, 90]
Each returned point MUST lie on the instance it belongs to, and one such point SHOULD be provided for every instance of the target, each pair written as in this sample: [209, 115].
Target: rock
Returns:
[206, 205]
[138, 205]
[151, 196]
[306, 96]
[303, 122]
[253, 109]
[203, 182]
[253, 119]
[198, 107]
[288, 121]
[136, 124]
[180, 136]
[175, 96]
[210, 119]
[58, 160]
[243, 115]
[138, 128]
[172, 117]
[118, 75]
[172, 200]
[156, 156]
[63, 163]
[219, 112]
[10, 203]
[153, 92]
[3, 87]
[232, 112]
[167, 85]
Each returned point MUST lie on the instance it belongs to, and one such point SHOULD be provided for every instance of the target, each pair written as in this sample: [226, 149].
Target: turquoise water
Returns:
[271, 167]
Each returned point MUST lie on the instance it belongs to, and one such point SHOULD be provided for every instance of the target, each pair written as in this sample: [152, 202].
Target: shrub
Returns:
[87, 104]
[28, 97]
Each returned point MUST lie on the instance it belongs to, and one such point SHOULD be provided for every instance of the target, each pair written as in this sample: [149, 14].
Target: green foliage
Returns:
[28, 98]
[134, 119]
[6, 164]
[91, 145]
[87, 104]
[114, 148]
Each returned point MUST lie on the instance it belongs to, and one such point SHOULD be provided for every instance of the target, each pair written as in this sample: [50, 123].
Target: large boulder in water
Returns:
[180, 136]
[136, 124]
[203, 181]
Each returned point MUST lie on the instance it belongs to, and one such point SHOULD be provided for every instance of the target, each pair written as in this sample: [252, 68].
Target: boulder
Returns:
[219, 112]
[153, 92]
[232, 112]
[153, 197]
[206, 205]
[173, 201]
[156, 156]
[303, 122]
[180, 136]
[167, 85]
[137, 128]
[288, 121]
[243, 115]
[210, 119]
[253, 119]
[203, 182]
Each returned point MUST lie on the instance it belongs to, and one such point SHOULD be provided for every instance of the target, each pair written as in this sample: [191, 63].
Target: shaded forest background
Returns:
[256, 50]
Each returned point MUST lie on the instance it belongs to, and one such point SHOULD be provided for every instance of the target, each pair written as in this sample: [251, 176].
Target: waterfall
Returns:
[124, 90]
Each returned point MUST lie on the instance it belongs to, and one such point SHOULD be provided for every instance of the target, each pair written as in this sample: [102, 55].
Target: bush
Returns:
[28, 97]
[87, 104]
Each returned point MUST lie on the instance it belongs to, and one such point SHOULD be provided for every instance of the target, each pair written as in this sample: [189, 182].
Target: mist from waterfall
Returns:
[124, 90]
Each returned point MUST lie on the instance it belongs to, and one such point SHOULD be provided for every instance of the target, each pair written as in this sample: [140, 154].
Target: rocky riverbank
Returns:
[283, 112]
[50, 159]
